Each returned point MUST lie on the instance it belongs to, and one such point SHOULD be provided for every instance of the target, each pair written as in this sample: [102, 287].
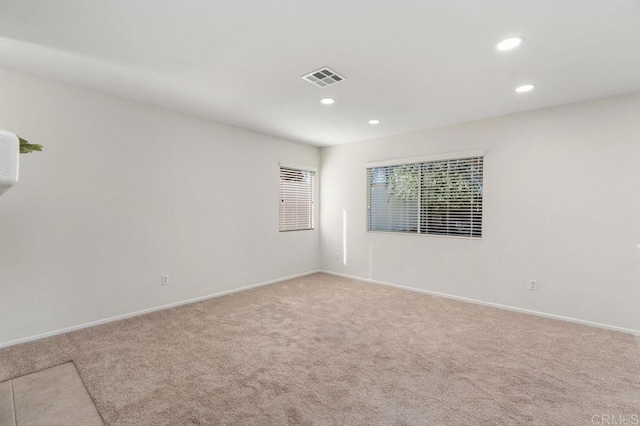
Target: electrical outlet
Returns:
[337, 255]
[533, 285]
[164, 280]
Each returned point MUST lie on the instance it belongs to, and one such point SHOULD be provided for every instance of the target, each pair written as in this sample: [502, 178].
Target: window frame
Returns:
[420, 160]
[314, 186]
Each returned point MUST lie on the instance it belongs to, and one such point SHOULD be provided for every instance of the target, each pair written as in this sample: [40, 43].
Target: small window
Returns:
[440, 197]
[297, 195]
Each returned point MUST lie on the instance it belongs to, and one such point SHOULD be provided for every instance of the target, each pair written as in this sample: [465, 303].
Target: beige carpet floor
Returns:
[324, 350]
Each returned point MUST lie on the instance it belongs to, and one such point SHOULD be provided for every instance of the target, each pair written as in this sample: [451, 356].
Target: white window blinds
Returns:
[441, 197]
[297, 194]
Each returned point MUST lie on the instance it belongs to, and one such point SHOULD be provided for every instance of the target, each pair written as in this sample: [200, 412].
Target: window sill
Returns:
[454, 237]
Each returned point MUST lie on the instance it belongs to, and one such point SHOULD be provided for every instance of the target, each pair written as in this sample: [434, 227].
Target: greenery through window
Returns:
[441, 197]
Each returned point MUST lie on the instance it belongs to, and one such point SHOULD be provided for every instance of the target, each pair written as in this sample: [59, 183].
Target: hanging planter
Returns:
[11, 146]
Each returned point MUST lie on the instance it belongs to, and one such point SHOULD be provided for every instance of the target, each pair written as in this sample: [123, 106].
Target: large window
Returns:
[442, 196]
[297, 194]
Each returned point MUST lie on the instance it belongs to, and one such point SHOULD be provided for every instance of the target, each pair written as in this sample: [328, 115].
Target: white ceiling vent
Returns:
[324, 77]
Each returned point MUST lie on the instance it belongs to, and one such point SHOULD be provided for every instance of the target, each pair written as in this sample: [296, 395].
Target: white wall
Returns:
[561, 203]
[124, 193]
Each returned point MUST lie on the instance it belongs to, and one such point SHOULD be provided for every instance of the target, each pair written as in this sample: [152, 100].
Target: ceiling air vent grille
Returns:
[324, 77]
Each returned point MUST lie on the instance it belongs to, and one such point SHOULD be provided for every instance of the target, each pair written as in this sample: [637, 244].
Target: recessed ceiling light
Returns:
[510, 43]
[525, 88]
[327, 101]
[374, 121]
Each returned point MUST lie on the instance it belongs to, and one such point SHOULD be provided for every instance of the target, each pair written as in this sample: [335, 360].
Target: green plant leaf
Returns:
[26, 147]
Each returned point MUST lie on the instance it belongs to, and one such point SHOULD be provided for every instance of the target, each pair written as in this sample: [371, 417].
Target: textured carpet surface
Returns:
[324, 350]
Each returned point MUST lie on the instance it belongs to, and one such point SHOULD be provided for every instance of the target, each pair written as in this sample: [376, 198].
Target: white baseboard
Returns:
[495, 305]
[210, 296]
[148, 310]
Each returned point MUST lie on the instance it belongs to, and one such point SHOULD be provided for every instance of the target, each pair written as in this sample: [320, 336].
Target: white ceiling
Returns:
[414, 64]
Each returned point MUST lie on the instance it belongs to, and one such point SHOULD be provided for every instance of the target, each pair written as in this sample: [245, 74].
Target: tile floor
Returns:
[52, 397]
